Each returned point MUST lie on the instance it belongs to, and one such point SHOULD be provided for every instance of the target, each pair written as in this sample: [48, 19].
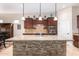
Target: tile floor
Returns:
[7, 51]
[71, 50]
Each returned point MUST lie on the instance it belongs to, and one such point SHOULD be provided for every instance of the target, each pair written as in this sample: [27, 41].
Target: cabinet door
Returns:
[28, 23]
[7, 27]
[76, 38]
[76, 41]
[45, 22]
[78, 21]
[51, 22]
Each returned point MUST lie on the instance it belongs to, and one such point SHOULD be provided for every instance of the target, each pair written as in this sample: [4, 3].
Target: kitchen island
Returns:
[37, 45]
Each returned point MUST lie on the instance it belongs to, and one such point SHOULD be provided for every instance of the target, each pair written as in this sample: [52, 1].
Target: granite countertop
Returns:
[36, 37]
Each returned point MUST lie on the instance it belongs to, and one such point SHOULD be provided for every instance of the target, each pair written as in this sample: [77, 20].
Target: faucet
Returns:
[40, 35]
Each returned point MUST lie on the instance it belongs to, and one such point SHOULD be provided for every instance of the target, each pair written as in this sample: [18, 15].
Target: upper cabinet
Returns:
[51, 22]
[28, 23]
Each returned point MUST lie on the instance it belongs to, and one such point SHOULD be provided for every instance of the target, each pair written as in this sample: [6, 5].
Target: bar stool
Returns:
[2, 40]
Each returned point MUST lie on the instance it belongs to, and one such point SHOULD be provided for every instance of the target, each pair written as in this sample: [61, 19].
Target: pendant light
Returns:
[40, 18]
[23, 18]
[55, 17]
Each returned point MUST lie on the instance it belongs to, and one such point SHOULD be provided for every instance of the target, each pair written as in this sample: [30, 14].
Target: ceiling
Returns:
[32, 8]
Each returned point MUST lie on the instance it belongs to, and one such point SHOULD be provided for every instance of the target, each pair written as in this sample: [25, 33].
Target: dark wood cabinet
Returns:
[7, 27]
[34, 22]
[76, 40]
[78, 21]
[76, 36]
[45, 22]
[28, 23]
[52, 26]
[48, 23]
[38, 21]
[51, 21]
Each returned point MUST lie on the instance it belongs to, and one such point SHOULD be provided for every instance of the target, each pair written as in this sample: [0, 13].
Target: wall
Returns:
[65, 23]
[75, 12]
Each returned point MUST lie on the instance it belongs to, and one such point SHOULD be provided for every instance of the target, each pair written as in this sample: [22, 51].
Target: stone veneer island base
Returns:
[34, 45]
[39, 48]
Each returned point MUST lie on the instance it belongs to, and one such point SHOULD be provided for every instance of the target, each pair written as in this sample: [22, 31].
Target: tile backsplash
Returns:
[36, 30]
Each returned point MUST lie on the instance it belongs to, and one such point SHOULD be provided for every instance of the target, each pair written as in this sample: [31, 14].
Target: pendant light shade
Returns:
[40, 18]
[55, 17]
[23, 18]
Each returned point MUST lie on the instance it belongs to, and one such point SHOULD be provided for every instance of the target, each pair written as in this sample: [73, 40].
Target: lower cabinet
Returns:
[76, 40]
